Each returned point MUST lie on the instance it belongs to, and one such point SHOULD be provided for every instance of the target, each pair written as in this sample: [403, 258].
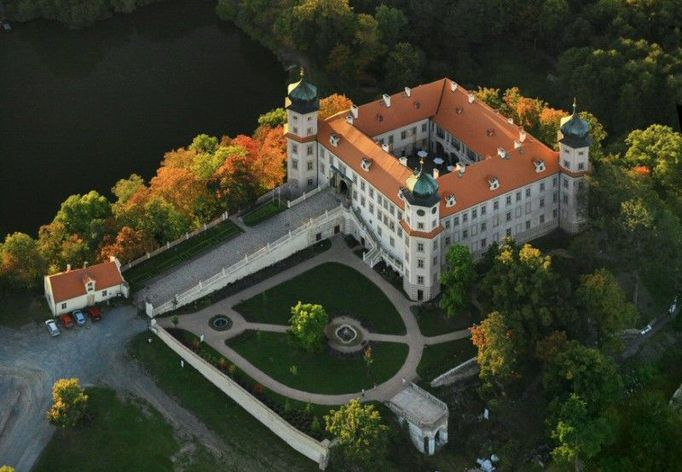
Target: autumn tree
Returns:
[307, 324]
[128, 245]
[7, 468]
[273, 118]
[21, 263]
[69, 403]
[362, 436]
[163, 221]
[333, 104]
[602, 299]
[457, 279]
[497, 356]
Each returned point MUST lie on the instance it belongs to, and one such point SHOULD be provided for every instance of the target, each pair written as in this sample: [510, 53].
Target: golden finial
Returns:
[575, 105]
[302, 72]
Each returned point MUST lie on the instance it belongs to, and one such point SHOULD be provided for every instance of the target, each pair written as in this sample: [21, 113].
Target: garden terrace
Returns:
[263, 212]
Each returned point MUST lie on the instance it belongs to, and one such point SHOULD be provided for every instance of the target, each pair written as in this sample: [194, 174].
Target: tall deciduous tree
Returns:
[404, 66]
[457, 278]
[392, 24]
[497, 352]
[334, 104]
[307, 325]
[363, 438]
[69, 403]
[21, 263]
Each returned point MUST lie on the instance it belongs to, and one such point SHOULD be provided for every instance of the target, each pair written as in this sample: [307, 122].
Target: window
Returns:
[309, 130]
[518, 196]
[465, 234]
[527, 224]
[554, 197]
[362, 201]
[447, 224]
[295, 129]
[63, 305]
[294, 164]
[465, 217]
[309, 150]
[420, 279]
[379, 230]
[294, 148]
[434, 223]
[565, 198]
[420, 263]
[483, 210]
[565, 183]
[403, 135]
[423, 127]
[355, 178]
[484, 243]
[508, 216]
[435, 261]
[496, 205]
[355, 194]
[508, 232]
[508, 200]
[362, 185]
[414, 130]
[455, 221]
[420, 225]
[528, 192]
[371, 208]
[420, 247]
[421, 213]
[310, 182]
[542, 186]
[554, 182]
[310, 166]
[321, 168]
[542, 219]
[447, 240]
[474, 214]
[295, 117]
[371, 192]
[104, 293]
[484, 226]
[542, 203]
[390, 139]
[567, 164]
[554, 214]
[581, 166]
[392, 241]
[435, 244]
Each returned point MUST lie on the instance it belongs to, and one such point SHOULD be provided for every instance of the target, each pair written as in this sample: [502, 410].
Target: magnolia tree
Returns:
[307, 325]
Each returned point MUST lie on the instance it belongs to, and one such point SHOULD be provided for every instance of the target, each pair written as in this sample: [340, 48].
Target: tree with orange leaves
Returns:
[128, 245]
[497, 356]
[333, 104]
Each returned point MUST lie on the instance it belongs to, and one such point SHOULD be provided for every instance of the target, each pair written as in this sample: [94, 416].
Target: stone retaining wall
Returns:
[463, 371]
[311, 448]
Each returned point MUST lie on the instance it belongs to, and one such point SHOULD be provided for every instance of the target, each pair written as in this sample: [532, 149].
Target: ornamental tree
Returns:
[497, 355]
[457, 278]
[363, 438]
[307, 325]
[70, 403]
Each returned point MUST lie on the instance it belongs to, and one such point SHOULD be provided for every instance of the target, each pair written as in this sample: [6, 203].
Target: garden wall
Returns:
[463, 371]
[301, 442]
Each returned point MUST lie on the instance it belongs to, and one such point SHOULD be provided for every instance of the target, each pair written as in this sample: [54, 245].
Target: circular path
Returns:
[197, 323]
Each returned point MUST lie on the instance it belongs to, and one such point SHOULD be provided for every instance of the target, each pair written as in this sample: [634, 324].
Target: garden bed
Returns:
[263, 212]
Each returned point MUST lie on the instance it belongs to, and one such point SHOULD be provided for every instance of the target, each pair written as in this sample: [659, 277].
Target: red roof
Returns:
[71, 284]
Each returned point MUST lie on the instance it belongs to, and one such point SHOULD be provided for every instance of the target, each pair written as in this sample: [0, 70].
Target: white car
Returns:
[52, 328]
[646, 329]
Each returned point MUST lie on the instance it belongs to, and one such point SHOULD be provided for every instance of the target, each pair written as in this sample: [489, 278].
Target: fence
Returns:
[304, 197]
[301, 442]
[169, 245]
[462, 371]
[294, 241]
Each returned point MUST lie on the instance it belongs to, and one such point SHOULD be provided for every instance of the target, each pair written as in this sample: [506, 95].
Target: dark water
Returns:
[81, 109]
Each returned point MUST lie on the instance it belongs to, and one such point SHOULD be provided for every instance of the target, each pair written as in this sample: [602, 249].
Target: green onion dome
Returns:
[302, 96]
[422, 187]
[575, 131]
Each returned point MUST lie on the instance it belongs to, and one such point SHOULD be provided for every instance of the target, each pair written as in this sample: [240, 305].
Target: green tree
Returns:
[363, 438]
[392, 24]
[84, 214]
[308, 322]
[497, 357]
[604, 302]
[457, 278]
[658, 148]
[164, 221]
[404, 66]
[21, 263]
[204, 143]
[69, 403]
[273, 118]
[7, 468]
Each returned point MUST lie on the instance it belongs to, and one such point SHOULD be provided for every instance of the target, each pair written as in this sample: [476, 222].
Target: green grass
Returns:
[319, 373]
[439, 358]
[340, 289]
[433, 320]
[251, 444]
[184, 251]
[264, 212]
[22, 307]
[122, 435]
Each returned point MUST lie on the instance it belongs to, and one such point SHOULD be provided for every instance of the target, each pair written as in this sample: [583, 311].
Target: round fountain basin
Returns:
[220, 323]
[346, 333]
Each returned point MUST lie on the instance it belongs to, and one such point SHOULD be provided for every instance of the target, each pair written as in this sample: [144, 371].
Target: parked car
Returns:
[80, 318]
[67, 320]
[52, 328]
[646, 329]
[94, 313]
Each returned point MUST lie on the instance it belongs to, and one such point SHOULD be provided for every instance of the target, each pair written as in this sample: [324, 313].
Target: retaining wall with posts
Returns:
[310, 447]
[169, 245]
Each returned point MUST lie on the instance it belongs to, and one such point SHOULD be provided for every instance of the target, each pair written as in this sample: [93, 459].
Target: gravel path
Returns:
[31, 361]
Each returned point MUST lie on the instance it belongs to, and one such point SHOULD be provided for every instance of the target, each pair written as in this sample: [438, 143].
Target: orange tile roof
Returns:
[71, 284]
[477, 125]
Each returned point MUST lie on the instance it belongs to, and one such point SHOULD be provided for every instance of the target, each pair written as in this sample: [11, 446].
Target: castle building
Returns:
[433, 166]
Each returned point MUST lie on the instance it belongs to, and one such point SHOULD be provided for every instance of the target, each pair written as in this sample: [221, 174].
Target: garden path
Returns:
[198, 324]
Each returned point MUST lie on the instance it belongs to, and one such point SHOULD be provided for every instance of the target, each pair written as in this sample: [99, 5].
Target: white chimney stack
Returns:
[403, 161]
[387, 100]
[453, 86]
[354, 111]
[472, 97]
[436, 173]
[518, 145]
[68, 267]
[385, 147]
[522, 135]
[408, 91]
[460, 169]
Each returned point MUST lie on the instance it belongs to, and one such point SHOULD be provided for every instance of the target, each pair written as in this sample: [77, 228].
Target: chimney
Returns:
[354, 111]
[460, 169]
[518, 145]
[387, 100]
[403, 161]
[408, 91]
[471, 97]
[510, 121]
[68, 267]
[453, 85]
[85, 264]
[502, 152]
[384, 147]
[436, 173]
[522, 135]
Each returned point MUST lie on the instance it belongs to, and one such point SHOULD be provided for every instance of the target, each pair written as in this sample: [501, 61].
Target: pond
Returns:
[81, 109]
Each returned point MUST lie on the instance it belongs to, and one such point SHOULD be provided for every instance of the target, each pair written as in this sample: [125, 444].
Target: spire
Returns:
[421, 165]
[575, 105]
[302, 72]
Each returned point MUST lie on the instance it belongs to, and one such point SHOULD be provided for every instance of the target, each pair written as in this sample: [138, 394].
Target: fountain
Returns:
[346, 333]
[220, 323]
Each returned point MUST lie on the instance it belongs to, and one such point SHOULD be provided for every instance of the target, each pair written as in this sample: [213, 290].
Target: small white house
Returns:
[80, 288]
[426, 417]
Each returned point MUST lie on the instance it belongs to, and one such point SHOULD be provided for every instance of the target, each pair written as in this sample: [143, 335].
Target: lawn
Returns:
[433, 320]
[340, 289]
[22, 307]
[318, 373]
[122, 435]
[252, 445]
[439, 358]
[264, 212]
[184, 251]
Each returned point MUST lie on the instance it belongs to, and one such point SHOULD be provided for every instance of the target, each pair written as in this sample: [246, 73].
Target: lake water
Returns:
[82, 109]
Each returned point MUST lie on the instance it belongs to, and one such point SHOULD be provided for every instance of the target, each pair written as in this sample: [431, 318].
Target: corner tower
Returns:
[574, 159]
[421, 223]
[302, 106]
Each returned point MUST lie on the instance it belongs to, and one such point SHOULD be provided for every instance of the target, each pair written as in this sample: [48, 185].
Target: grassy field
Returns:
[122, 435]
[319, 372]
[433, 320]
[338, 288]
[251, 444]
[439, 358]
[184, 251]
[263, 213]
[20, 308]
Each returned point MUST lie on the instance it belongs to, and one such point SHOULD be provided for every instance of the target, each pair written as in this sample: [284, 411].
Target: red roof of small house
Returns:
[71, 284]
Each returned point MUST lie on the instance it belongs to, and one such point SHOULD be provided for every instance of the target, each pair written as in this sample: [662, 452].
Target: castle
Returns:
[479, 178]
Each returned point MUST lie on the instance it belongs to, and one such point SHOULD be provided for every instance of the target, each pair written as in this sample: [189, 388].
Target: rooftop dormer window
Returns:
[494, 183]
[539, 165]
[450, 201]
[334, 140]
[502, 153]
[366, 164]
